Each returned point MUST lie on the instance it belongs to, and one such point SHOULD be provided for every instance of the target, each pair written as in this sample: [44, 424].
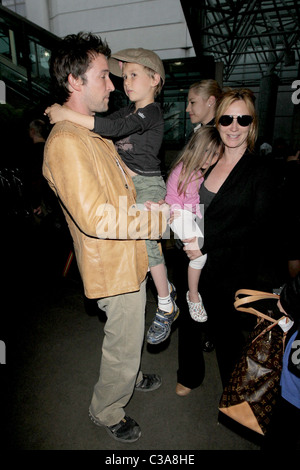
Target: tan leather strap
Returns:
[253, 296]
[256, 292]
[269, 328]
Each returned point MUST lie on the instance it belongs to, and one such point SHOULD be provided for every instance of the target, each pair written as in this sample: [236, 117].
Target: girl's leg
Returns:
[194, 300]
[193, 281]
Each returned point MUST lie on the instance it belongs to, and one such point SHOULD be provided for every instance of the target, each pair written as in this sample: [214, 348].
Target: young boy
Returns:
[137, 131]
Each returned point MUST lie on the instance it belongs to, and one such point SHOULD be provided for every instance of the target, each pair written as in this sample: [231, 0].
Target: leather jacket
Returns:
[97, 197]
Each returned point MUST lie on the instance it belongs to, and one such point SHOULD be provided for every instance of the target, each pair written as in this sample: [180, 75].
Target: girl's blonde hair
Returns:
[197, 154]
[230, 96]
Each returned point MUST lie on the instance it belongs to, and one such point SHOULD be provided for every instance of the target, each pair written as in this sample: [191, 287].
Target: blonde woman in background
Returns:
[202, 99]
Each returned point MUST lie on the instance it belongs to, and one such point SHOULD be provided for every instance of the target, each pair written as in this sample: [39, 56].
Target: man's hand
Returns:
[158, 206]
[175, 214]
[294, 157]
[151, 205]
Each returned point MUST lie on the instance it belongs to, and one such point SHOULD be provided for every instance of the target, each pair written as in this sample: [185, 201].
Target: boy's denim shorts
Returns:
[151, 188]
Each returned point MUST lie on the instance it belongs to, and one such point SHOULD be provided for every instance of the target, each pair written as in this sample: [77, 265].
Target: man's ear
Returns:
[74, 83]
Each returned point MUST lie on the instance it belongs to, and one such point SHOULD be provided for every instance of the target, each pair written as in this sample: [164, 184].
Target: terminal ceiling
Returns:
[250, 39]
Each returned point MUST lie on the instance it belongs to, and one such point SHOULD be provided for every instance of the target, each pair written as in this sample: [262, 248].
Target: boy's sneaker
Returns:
[127, 430]
[149, 383]
[196, 309]
[173, 292]
[160, 329]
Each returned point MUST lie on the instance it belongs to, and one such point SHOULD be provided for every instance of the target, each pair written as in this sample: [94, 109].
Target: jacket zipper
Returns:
[123, 173]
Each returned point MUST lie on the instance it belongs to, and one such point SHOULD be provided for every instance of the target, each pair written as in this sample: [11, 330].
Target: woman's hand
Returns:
[192, 248]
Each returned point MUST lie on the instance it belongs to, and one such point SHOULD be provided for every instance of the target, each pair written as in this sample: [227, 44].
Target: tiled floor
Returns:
[53, 342]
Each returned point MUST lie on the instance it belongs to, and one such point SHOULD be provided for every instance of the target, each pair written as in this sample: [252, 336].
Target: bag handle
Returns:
[269, 328]
[256, 293]
[253, 296]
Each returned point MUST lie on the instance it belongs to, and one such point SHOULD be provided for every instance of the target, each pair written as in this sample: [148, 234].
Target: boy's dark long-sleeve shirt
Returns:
[137, 136]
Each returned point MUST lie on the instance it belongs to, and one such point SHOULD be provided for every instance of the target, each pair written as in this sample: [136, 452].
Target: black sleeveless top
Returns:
[206, 196]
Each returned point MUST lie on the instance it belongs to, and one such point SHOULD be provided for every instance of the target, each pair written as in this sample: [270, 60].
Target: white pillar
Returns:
[37, 11]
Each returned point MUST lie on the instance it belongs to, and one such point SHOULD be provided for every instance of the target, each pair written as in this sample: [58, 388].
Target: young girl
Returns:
[183, 184]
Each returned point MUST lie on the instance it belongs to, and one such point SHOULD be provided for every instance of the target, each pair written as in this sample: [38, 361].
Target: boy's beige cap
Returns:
[137, 56]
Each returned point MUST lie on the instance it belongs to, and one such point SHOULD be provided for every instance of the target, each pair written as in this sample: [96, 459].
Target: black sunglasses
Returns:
[243, 120]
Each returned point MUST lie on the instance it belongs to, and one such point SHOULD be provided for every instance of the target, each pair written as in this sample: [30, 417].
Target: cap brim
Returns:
[114, 66]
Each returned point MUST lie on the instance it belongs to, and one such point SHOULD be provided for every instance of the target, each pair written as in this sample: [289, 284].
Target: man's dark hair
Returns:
[73, 55]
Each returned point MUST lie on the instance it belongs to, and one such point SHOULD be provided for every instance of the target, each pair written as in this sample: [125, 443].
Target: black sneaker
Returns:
[127, 430]
[149, 383]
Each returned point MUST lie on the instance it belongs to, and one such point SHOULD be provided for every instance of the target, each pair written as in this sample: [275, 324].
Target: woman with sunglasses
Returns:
[238, 194]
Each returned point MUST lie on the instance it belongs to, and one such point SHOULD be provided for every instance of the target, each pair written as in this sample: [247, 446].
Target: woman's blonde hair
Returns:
[207, 88]
[230, 96]
[198, 152]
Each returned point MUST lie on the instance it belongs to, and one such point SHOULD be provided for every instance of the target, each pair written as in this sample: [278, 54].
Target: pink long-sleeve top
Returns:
[190, 200]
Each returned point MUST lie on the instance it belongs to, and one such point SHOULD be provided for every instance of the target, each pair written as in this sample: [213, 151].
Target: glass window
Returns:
[39, 57]
[175, 121]
[4, 43]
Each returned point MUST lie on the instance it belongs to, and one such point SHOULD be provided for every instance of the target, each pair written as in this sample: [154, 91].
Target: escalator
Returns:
[24, 53]
[24, 92]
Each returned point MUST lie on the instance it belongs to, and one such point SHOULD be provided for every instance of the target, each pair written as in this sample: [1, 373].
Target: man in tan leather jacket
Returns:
[98, 199]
